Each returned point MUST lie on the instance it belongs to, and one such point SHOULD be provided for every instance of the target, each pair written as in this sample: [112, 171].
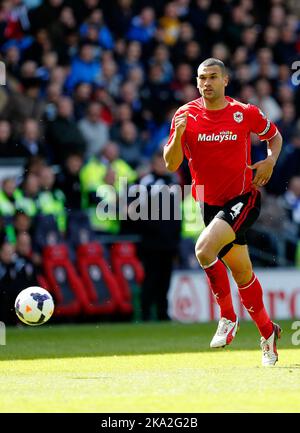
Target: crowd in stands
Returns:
[92, 85]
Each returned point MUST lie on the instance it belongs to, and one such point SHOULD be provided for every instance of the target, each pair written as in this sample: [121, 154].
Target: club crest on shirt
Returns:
[238, 116]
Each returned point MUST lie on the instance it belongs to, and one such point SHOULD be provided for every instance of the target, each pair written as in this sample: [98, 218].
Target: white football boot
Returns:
[225, 333]
[268, 346]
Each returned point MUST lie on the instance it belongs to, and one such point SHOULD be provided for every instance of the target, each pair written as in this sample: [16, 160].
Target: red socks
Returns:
[219, 283]
[251, 295]
[252, 298]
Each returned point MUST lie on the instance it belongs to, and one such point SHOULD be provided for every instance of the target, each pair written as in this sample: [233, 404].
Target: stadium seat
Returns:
[127, 268]
[101, 287]
[61, 279]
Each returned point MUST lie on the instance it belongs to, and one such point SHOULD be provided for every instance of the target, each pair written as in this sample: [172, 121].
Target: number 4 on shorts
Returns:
[236, 209]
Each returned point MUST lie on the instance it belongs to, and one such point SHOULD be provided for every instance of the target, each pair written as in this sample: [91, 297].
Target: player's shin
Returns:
[219, 284]
[252, 298]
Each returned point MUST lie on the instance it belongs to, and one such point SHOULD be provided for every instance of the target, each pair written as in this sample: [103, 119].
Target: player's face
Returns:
[211, 82]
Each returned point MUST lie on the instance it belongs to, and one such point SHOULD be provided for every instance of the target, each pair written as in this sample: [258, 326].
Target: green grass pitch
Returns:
[154, 367]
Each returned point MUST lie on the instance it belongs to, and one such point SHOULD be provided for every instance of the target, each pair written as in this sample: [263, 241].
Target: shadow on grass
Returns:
[69, 341]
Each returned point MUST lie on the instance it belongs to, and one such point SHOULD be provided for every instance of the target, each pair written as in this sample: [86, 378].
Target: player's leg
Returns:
[211, 241]
[217, 235]
[251, 294]
[235, 216]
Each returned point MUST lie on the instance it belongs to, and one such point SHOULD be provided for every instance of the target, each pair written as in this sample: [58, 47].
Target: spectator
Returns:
[46, 14]
[48, 64]
[123, 113]
[22, 223]
[265, 101]
[81, 97]
[156, 93]
[68, 181]
[287, 167]
[198, 16]
[143, 26]
[51, 200]
[40, 45]
[214, 32]
[53, 93]
[27, 202]
[62, 134]
[129, 95]
[192, 54]
[120, 17]
[130, 144]
[84, 68]
[109, 77]
[111, 156]
[183, 76]
[83, 9]
[20, 106]
[159, 244]
[12, 59]
[94, 131]
[291, 202]
[7, 144]
[186, 35]
[132, 58]
[30, 143]
[26, 255]
[8, 197]
[93, 172]
[169, 24]
[95, 20]
[161, 56]
[65, 25]
[286, 125]
[34, 165]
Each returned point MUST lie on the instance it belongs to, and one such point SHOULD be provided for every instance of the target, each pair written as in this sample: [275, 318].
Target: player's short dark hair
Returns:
[213, 62]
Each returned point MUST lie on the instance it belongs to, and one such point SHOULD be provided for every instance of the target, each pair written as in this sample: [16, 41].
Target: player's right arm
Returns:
[173, 153]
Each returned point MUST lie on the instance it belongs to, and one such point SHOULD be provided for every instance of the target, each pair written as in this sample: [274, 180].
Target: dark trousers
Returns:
[158, 269]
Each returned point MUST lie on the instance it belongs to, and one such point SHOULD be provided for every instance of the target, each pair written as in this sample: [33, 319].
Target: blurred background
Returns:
[91, 88]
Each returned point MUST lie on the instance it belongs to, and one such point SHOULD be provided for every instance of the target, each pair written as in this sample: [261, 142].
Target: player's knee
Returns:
[204, 253]
[242, 276]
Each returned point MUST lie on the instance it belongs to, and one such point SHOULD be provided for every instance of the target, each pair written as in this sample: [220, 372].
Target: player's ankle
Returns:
[229, 315]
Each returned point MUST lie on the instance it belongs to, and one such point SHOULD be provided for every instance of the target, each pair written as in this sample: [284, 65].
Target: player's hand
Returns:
[264, 170]
[180, 123]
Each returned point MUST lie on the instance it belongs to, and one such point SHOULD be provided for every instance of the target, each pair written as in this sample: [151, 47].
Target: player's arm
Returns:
[173, 154]
[264, 168]
[266, 131]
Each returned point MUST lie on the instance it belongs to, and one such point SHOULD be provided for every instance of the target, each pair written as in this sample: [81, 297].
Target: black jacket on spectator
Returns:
[161, 234]
[69, 184]
[64, 137]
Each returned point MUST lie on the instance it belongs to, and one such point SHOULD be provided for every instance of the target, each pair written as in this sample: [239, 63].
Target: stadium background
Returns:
[91, 87]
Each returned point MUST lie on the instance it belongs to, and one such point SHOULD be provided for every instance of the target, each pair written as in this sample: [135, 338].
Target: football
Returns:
[34, 306]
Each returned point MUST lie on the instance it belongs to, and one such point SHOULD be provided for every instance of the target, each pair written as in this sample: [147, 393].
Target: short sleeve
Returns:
[260, 124]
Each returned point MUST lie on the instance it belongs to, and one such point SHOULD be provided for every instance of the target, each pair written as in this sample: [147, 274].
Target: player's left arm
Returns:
[266, 131]
[264, 168]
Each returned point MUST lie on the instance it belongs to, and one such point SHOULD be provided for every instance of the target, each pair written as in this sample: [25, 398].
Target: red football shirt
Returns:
[217, 146]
